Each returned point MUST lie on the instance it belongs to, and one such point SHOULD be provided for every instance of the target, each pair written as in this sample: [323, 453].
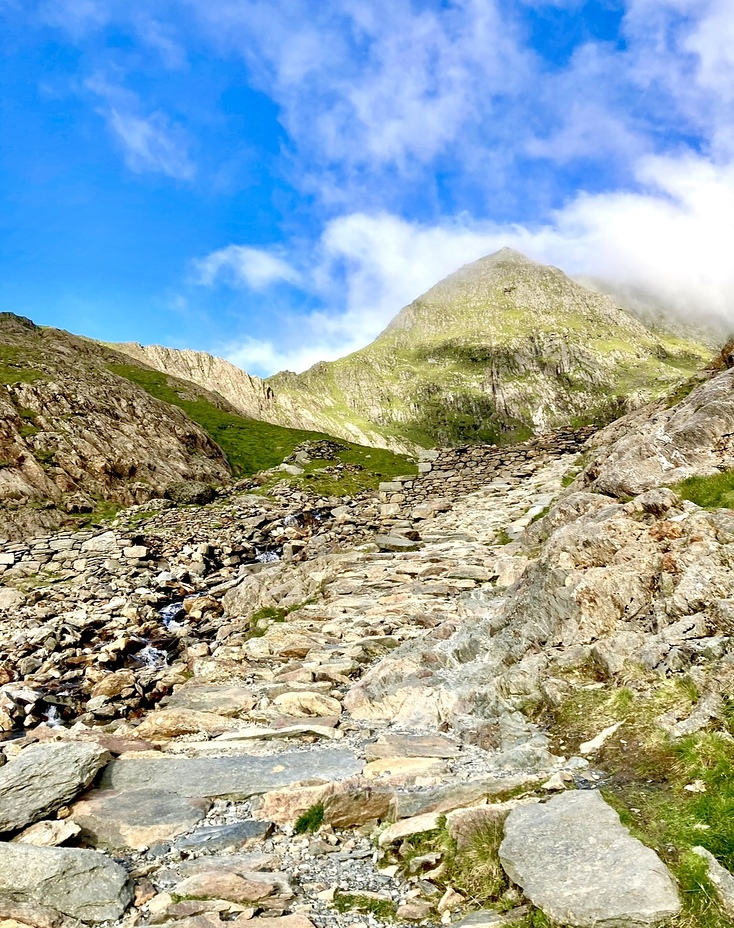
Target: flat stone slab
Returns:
[576, 861]
[393, 745]
[221, 698]
[135, 818]
[235, 778]
[77, 883]
[396, 543]
[218, 837]
[44, 777]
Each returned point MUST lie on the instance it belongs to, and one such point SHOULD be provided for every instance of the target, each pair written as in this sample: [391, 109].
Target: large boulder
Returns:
[76, 883]
[657, 445]
[576, 861]
[44, 777]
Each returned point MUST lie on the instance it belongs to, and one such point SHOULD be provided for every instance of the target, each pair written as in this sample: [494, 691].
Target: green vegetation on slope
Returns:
[252, 446]
[16, 365]
[672, 794]
[713, 492]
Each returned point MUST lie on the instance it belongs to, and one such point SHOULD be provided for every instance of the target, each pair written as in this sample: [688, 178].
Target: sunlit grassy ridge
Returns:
[252, 446]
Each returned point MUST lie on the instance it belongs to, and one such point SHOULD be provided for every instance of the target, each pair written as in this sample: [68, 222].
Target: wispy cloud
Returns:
[240, 265]
[149, 142]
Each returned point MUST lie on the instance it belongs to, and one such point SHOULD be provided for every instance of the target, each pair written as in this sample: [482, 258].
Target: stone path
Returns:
[267, 723]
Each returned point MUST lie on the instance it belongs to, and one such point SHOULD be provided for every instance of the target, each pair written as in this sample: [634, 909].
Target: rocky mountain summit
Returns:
[495, 692]
[499, 350]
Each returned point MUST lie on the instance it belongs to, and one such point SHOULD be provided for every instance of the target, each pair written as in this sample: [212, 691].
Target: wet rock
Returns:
[44, 777]
[76, 883]
[136, 818]
[576, 861]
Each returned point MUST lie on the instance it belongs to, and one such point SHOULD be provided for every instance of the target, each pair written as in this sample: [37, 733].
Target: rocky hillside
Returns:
[499, 350]
[498, 692]
[85, 430]
[73, 433]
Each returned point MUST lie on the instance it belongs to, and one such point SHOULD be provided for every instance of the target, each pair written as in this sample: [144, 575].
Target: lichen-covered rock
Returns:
[76, 883]
[576, 861]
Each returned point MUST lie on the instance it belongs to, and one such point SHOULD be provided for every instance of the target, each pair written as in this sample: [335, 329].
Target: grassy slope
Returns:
[674, 795]
[429, 377]
[252, 446]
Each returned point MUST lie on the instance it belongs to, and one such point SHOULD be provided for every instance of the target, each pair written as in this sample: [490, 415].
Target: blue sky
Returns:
[271, 180]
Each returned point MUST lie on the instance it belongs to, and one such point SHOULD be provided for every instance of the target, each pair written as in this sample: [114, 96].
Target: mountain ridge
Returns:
[502, 348]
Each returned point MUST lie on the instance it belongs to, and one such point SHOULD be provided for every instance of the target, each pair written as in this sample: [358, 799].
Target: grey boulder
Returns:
[576, 861]
[44, 777]
[76, 883]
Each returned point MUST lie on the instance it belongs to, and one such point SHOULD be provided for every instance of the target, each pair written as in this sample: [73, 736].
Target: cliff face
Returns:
[249, 395]
[73, 433]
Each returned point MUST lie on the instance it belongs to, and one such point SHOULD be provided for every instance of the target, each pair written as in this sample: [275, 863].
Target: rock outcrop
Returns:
[577, 862]
[74, 433]
[43, 778]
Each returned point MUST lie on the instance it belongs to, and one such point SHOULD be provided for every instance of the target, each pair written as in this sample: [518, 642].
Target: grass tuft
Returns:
[713, 492]
[310, 820]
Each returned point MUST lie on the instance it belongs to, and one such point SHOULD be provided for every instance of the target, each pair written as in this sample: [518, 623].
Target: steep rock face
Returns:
[663, 445]
[249, 395]
[313, 409]
[73, 432]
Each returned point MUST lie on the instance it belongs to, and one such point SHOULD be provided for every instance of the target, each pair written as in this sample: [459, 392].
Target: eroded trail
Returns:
[270, 725]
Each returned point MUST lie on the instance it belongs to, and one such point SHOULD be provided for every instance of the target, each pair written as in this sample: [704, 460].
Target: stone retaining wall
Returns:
[450, 473]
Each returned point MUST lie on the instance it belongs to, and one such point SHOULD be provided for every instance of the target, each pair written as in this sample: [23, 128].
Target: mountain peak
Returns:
[507, 255]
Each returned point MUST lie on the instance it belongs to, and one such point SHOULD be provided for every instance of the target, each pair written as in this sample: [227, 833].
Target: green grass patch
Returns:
[104, 511]
[502, 538]
[310, 820]
[357, 902]
[713, 492]
[672, 794]
[16, 366]
[252, 446]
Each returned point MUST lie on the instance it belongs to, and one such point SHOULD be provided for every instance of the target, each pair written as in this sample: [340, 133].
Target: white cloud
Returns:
[671, 241]
[263, 357]
[251, 267]
[150, 142]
